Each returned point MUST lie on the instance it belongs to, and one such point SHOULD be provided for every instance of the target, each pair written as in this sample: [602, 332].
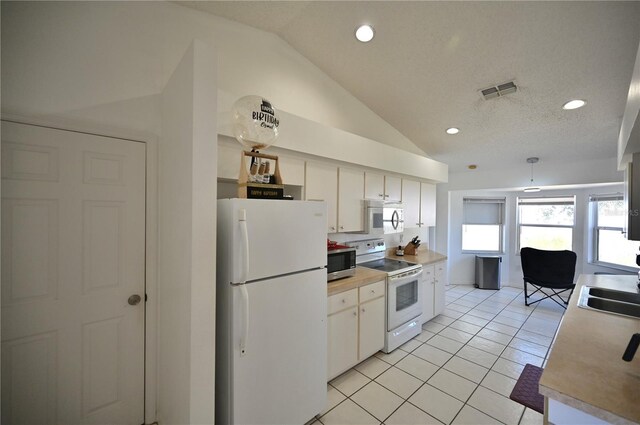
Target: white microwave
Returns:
[384, 217]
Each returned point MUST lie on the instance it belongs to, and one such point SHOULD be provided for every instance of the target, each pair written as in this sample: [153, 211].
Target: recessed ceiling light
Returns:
[364, 33]
[574, 104]
[453, 130]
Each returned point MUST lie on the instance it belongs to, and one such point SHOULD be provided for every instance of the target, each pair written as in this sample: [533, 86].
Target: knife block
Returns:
[410, 249]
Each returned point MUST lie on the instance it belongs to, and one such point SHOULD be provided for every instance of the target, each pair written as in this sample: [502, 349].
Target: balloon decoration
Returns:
[255, 122]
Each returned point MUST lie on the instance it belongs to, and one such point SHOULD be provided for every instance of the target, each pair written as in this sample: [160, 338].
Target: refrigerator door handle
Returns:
[244, 294]
[244, 272]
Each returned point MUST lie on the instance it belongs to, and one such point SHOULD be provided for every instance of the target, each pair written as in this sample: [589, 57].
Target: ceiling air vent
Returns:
[499, 90]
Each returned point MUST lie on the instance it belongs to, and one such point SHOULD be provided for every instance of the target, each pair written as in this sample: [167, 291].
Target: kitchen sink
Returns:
[610, 301]
[612, 294]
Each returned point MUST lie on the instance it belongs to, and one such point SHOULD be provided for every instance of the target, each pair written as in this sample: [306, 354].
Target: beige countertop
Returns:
[423, 256]
[585, 369]
[363, 276]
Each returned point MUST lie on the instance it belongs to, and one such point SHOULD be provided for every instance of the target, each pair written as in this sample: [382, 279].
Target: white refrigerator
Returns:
[271, 311]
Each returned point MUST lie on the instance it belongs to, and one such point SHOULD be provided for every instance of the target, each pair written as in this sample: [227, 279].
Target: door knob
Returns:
[134, 299]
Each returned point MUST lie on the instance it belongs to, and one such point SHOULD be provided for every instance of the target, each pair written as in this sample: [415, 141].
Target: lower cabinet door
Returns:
[428, 280]
[440, 280]
[439, 289]
[372, 327]
[342, 341]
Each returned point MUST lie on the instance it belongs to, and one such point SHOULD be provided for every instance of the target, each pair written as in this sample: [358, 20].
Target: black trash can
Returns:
[488, 272]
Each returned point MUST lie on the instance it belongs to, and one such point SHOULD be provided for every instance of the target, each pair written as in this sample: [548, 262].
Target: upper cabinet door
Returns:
[427, 204]
[321, 184]
[350, 196]
[374, 186]
[411, 200]
[392, 189]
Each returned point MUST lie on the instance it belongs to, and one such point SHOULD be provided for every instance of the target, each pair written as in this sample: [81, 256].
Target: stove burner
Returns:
[387, 265]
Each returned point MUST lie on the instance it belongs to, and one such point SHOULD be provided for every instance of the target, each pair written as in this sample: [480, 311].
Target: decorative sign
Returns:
[255, 122]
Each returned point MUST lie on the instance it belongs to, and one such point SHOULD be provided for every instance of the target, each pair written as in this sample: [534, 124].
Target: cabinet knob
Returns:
[333, 227]
[344, 301]
[363, 310]
[381, 195]
[386, 196]
[341, 227]
[373, 291]
[355, 313]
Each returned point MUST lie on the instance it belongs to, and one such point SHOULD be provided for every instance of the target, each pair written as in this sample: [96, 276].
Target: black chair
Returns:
[553, 270]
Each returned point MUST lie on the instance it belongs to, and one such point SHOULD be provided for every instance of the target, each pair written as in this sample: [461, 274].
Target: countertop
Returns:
[585, 369]
[423, 256]
[365, 276]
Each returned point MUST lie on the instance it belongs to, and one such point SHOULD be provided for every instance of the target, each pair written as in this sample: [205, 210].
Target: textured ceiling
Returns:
[423, 70]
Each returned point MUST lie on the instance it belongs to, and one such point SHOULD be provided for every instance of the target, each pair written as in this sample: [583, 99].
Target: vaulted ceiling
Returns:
[423, 70]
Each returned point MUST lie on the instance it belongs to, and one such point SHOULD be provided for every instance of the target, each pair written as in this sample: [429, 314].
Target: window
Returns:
[546, 223]
[482, 225]
[609, 243]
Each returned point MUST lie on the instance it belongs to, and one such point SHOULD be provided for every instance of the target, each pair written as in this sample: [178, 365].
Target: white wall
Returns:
[107, 63]
[187, 240]
[462, 266]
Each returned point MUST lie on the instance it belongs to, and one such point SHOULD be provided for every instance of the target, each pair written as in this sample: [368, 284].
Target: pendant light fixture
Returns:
[532, 188]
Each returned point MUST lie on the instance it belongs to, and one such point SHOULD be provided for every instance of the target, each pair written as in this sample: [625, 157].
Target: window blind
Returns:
[606, 197]
[563, 200]
[483, 210]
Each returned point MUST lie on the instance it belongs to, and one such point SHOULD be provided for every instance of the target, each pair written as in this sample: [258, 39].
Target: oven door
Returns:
[404, 299]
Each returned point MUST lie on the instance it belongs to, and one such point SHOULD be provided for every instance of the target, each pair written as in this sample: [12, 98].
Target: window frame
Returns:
[548, 201]
[501, 202]
[594, 229]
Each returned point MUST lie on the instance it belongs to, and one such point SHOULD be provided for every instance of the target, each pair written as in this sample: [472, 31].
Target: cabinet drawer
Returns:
[372, 291]
[342, 300]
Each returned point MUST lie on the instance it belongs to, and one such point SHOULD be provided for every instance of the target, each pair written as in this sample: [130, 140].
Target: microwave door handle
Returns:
[395, 219]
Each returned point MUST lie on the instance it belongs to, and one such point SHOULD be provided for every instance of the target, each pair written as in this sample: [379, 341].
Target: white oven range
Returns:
[404, 291]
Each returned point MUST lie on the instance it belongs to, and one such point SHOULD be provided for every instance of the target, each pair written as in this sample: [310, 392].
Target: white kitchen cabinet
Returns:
[434, 281]
[342, 352]
[291, 169]
[374, 186]
[427, 205]
[350, 195]
[428, 291]
[440, 282]
[382, 187]
[321, 184]
[392, 189]
[356, 326]
[411, 201]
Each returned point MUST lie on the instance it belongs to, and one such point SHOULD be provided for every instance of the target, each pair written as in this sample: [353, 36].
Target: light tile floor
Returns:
[459, 370]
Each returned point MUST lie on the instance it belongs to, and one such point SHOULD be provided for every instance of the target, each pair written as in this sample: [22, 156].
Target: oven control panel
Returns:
[368, 246]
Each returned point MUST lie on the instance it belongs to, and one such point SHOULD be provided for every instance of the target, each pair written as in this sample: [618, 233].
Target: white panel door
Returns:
[73, 252]
[350, 205]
